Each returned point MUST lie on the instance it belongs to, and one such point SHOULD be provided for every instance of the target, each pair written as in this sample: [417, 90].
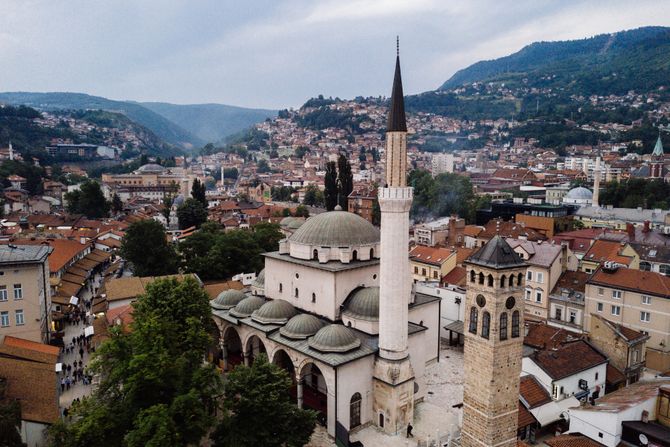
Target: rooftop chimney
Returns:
[646, 228]
[630, 229]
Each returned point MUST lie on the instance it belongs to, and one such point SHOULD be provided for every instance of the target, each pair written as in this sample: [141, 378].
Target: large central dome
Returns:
[336, 229]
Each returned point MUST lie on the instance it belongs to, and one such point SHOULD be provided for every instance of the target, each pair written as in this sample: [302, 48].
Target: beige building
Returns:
[25, 298]
[431, 263]
[602, 251]
[151, 181]
[634, 299]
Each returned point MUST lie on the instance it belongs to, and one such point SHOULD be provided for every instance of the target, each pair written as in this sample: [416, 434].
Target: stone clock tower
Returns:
[493, 345]
[393, 378]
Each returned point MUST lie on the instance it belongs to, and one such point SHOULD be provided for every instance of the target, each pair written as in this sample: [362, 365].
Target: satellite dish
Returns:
[643, 439]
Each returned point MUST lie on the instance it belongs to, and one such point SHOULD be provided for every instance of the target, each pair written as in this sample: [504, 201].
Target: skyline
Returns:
[278, 54]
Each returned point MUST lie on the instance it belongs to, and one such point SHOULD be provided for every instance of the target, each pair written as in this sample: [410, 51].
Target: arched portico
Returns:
[315, 391]
[283, 360]
[231, 347]
[254, 347]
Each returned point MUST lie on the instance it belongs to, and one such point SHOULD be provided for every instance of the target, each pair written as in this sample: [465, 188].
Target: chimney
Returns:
[630, 229]
[646, 228]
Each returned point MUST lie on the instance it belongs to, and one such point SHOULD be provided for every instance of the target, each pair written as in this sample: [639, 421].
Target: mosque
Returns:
[335, 308]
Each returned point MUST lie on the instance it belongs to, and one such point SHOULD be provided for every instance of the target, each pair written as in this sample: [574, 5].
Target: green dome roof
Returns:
[274, 312]
[295, 224]
[334, 338]
[247, 306]
[301, 326]
[363, 303]
[228, 299]
[336, 229]
[285, 221]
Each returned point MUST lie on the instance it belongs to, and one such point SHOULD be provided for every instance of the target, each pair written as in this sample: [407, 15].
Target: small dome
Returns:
[228, 299]
[260, 280]
[274, 312]
[301, 326]
[334, 338]
[247, 306]
[286, 221]
[579, 193]
[336, 229]
[363, 303]
[151, 168]
[295, 224]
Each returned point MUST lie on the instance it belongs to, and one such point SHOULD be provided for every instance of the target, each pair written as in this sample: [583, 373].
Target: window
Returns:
[314, 297]
[473, 320]
[423, 272]
[599, 307]
[519, 279]
[573, 316]
[538, 296]
[3, 293]
[601, 291]
[502, 281]
[528, 293]
[315, 254]
[503, 326]
[355, 410]
[4, 319]
[646, 300]
[645, 266]
[636, 355]
[435, 274]
[19, 317]
[596, 376]
[486, 324]
[515, 324]
[616, 310]
[664, 269]
[616, 294]
[559, 313]
[540, 277]
[490, 280]
[297, 293]
[18, 292]
[645, 316]
[529, 275]
[281, 287]
[481, 278]
[472, 275]
[416, 270]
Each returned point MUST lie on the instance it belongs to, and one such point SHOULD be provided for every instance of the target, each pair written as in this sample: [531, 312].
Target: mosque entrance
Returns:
[282, 360]
[315, 392]
[233, 345]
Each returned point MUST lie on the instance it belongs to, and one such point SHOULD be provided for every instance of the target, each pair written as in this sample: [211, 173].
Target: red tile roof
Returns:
[572, 440]
[525, 418]
[532, 392]
[568, 359]
[32, 345]
[456, 277]
[543, 336]
[634, 280]
[614, 376]
[430, 255]
[602, 251]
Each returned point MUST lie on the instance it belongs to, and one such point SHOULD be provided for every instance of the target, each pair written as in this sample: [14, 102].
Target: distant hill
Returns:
[615, 63]
[210, 122]
[162, 127]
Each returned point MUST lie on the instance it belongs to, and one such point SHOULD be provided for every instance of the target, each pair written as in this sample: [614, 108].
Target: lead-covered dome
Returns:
[247, 306]
[336, 229]
[150, 168]
[260, 280]
[228, 299]
[363, 303]
[274, 312]
[579, 193]
[301, 327]
[334, 338]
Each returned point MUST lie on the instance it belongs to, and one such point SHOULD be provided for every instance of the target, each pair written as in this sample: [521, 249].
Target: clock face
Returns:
[643, 439]
[481, 301]
[510, 302]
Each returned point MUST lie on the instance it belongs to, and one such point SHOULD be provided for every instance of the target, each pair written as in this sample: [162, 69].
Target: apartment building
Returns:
[633, 299]
[431, 263]
[25, 299]
[602, 251]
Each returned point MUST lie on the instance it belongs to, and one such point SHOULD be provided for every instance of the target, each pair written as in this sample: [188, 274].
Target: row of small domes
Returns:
[322, 337]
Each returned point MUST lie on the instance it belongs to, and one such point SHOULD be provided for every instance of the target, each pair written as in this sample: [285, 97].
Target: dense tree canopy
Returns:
[198, 192]
[88, 200]
[442, 195]
[154, 388]
[145, 246]
[345, 180]
[33, 174]
[258, 410]
[313, 196]
[330, 181]
[191, 213]
[636, 192]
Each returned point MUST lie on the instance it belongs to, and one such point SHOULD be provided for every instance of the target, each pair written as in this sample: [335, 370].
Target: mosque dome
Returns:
[274, 312]
[363, 303]
[286, 221]
[295, 224]
[228, 299]
[579, 193]
[334, 338]
[301, 327]
[150, 168]
[247, 306]
[336, 229]
[260, 280]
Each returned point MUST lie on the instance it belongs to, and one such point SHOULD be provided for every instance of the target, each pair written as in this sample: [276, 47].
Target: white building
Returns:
[441, 163]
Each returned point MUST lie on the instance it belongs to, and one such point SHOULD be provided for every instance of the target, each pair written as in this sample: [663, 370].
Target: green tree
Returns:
[198, 192]
[145, 246]
[331, 186]
[262, 166]
[301, 211]
[10, 420]
[154, 388]
[258, 410]
[345, 180]
[88, 200]
[313, 196]
[267, 235]
[301, 151]
[168, 201]
[117, 205]
[376, 213]
[191, 213]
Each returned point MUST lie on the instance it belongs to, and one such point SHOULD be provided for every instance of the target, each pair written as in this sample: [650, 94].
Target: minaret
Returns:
[11, 151]
[393, 375]
[596, 183]
[656, 167]
[493, 327]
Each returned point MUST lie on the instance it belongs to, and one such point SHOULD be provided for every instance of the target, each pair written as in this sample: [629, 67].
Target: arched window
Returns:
[381, 420]
[503, 326]
[490, 280]
[315, 254]
[472, 276]
[372, 253]
[486, 324]
[481, 278]
[515, 324]
[502, 281]
[297, 294]
[645, 266]
[510, 283]
[473, 320]
[354, 255]
[314, 297]
[280, 288]
[355, 410]
[519, 279]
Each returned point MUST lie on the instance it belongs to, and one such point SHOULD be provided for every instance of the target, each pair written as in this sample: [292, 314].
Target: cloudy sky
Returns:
[275, 53]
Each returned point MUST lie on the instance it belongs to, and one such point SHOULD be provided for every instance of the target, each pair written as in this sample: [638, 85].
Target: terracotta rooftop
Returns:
[64, 250]
[571, 281]
[53, 351]
[532, 393]
[129, 288]
[634, 280]
[627, 397]
[543, 336]
[456, 277]
[614, 376]
[572, 440]
[568, 359]
[214, 288]
[430, 255]
[603, 250]
[525, 418]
